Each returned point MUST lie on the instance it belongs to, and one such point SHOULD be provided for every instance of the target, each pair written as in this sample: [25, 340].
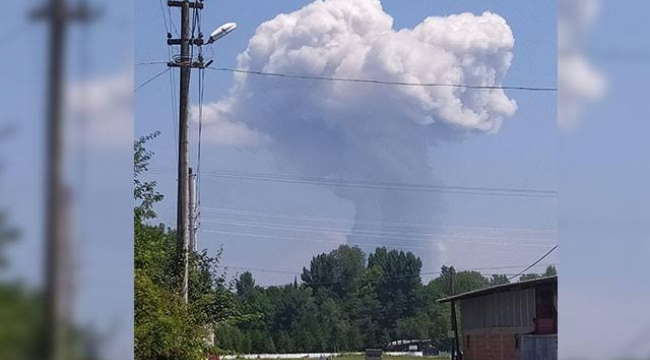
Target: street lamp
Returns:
[222, 31]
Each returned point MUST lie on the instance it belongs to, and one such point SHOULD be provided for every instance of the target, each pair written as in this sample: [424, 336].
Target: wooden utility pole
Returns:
[58, 297]
[185, 63]
[453, 315]
[455, 352]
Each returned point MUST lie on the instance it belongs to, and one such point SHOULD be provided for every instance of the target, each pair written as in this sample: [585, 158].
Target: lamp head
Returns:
[222, 31]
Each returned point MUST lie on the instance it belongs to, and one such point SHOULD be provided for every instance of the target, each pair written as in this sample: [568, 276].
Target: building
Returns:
[515, 321]
[414, 345]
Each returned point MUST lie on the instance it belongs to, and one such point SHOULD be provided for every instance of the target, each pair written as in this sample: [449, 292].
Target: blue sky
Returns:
[522, 155]
[603, 225]
[100, 168]
[603, 211]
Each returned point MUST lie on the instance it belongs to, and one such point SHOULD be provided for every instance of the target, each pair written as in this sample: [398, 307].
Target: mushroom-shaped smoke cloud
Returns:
[366, 131]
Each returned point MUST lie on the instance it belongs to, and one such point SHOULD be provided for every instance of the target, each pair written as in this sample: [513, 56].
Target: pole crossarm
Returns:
[195, 5]
[197, 42]
[83, 13]
[182, 64]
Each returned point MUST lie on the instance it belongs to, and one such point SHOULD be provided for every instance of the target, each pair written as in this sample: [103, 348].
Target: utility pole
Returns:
[57, 316]
[455, 352]
[185, 63]
[453, 315]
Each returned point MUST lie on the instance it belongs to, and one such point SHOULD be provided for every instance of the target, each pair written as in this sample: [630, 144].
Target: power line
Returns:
[303, 240]
[197, 196]
[171, 21]
[405, 233]
[152, 79]
[375, 81]
[419, 274]
[535, 263]
[463, 190]
[172, 92]
[152, 62]
[334, 220]
[162, 11]
[171, 81]
[405, 237]
[262, 270]
[383, 82]
[468, 190]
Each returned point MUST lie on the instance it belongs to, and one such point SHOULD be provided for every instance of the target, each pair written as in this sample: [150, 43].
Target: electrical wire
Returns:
[335, 220]
[398, 277]
[383, 82]
[151, 79]
[174, 123]
[153, 62]
[438, 233]
[385, 185]
[303, 240]
[162, 12]
[171, 21]
[404, 237]
[376, 81]
[535, 263]
[470, 190]
[462, 190]
[172, 87]
[198, 160]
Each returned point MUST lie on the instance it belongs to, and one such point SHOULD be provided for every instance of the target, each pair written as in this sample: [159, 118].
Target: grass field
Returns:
[359, 357]
[387, 357]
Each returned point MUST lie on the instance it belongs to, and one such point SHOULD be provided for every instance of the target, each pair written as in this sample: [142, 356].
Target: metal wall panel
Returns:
[539, 347]
[507, 309]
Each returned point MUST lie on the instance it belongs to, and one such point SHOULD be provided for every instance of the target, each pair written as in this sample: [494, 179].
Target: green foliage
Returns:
[527, 277]
[21, 319]
[144, 192]
[8, 235]
[345, 304]
[21, 316]
[165, 326]
[342, 304]
[497, 279]
[550, 271]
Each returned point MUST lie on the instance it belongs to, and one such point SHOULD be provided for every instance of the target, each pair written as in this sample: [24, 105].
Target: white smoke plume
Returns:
[579, 83]
[367, 131]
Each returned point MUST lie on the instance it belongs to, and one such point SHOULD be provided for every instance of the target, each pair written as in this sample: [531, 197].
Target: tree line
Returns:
[343, 301]
[347, 302]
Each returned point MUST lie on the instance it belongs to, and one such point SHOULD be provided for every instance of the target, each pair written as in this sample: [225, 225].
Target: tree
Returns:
[345, 304]
[397, 289]
[246, 285]
[497, 279]
[338, 272]
[550, 271]
[144, 191]
[8, 235]
[527, 277]
[165, 326]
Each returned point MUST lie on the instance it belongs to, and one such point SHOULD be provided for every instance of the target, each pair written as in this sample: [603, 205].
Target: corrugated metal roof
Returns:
[501, 288]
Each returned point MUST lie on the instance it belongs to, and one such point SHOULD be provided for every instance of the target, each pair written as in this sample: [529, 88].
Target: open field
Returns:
[387, 357]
